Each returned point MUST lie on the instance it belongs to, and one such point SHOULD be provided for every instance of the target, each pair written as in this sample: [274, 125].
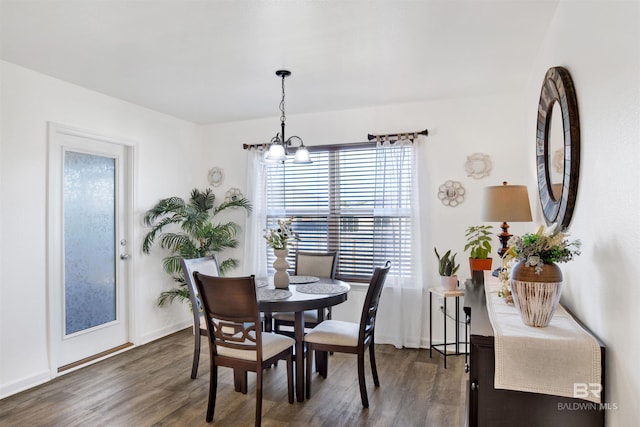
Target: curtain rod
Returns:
[396, 136]
[370, 137]
[250, 146]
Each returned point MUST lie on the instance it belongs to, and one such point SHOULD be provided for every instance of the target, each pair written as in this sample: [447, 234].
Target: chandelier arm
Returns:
[291, 138]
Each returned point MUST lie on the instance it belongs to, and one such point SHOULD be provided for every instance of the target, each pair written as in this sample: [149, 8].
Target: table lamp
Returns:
[506, 203]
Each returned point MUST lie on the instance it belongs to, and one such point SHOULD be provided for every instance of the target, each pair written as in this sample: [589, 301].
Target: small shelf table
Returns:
[442, 348]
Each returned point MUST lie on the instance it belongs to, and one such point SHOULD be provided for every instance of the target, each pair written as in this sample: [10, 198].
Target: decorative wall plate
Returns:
[478, 165]
[451, 193]
[216, 176]
[233, 195]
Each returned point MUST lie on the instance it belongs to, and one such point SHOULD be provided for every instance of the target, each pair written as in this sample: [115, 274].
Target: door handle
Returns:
[124, 257]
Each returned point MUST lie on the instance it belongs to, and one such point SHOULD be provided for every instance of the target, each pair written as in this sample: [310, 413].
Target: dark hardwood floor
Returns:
[150, 386]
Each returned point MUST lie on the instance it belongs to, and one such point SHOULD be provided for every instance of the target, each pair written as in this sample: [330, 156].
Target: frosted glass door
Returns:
[89, 201]
[88, 251]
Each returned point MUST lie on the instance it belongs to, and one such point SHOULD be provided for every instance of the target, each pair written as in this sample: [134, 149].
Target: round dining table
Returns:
[318, 294]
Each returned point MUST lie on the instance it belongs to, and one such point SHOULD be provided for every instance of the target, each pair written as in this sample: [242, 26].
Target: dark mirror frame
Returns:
[558, 87]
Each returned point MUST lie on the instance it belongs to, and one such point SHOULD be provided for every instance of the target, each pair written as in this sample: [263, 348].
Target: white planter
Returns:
[449, 283]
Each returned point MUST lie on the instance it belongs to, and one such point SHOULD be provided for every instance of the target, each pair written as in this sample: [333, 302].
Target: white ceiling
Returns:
[214, 61]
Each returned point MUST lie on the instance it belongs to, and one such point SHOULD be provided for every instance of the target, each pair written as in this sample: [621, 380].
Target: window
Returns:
[351, 199]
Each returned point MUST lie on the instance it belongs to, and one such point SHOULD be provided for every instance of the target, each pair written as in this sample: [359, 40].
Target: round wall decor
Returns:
[478, 165]
[451, 193]
[233, 195]
[216, 176]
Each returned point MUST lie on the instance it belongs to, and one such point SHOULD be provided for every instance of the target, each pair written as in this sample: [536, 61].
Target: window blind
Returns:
[350, 199]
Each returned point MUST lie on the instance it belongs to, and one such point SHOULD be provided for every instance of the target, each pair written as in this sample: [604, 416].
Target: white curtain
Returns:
[255, 255]
[402, 304]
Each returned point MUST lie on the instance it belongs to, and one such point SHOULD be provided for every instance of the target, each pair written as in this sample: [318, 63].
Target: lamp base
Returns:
[504, 239]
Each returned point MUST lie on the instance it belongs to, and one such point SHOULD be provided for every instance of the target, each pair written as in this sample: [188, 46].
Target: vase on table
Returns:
[536, 296]
[281, 277]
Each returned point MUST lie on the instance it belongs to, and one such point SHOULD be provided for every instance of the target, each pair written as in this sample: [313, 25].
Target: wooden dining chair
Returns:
[347, 337]
[235, 336]
[317, 264]
[206, 265]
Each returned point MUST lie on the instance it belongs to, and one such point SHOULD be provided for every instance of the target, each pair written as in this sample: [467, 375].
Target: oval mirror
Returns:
[555, 155]
[558, 147]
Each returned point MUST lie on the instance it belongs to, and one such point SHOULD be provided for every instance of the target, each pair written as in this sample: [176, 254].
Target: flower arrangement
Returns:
[278, 237]
[545, 246]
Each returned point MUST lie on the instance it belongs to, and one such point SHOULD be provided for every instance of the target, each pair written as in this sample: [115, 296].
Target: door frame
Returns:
[55, 236]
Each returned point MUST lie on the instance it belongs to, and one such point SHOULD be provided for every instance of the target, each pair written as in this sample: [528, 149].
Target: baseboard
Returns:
[25, 383]
[163, 332]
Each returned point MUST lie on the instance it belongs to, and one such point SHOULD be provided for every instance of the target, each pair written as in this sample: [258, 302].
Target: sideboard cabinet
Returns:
[487, 406]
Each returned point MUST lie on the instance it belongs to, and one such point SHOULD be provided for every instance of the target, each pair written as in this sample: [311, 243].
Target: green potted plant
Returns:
[197, 237]
[447, 268]
[479, 244]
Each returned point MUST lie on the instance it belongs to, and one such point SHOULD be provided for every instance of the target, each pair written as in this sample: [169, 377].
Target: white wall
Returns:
[599, 42]
[165, 151]
[493, 125]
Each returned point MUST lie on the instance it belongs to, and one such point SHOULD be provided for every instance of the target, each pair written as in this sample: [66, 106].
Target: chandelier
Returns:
[278, 146]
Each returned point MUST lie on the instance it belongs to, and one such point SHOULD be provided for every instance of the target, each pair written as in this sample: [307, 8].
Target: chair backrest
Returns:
[231, 311]
[370, 308]
[206, 265]
[318, 264]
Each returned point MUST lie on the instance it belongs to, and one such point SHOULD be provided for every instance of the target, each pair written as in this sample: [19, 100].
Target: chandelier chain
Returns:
[283, 117]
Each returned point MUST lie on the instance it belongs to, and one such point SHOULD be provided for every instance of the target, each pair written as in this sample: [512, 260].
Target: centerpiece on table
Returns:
[277, 238]
[535, 280]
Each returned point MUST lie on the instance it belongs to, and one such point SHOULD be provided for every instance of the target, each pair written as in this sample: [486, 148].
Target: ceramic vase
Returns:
[281, 277]
[536, 296]
[449, 283]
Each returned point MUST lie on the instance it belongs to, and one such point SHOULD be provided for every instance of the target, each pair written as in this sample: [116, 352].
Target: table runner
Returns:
[543, 360]
[322, 288]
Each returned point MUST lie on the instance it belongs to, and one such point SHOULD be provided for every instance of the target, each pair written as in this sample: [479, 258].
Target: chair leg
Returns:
[196, 354]
[290, 377]
[240, 381]
[322, 363]
[259, 397]
[361, 381]
[213, 387]
[308, 379]
[268, 322]
[374, 370]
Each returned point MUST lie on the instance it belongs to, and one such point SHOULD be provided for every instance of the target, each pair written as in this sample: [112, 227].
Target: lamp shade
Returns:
[302, 155]
[506, 203]
[276, 153]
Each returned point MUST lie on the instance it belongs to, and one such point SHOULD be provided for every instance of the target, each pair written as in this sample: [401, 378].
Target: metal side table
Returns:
[442, 348]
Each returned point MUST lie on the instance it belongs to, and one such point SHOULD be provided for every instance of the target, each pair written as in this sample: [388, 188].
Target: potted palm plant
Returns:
[199, 236]
[447, 268]
[479, 244]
